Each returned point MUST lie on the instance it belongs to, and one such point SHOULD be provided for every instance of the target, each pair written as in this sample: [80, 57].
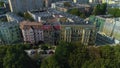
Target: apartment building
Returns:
[95, 1]
[32, 32]
[10, 32]
[25, 5]
[107, 25]
[77, 32]
[81, 1]
[61, 7]
[66, 27]
[51, 31]
[98, 21]
[110, 1]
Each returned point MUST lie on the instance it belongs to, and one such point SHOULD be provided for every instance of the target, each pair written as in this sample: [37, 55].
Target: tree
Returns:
[78, 57]
[62, 53]
[115, 12]
[117, 55]
[98, 63]
[77, 12]
[20, 14]
[2, 54]
[67, 4]
[74, 11]
[107, 52]
[44, 47]
[67, 55]
[27, 16]
[100, 9]
[103, 8]
[50, 62]
[1, 4]
[17, 58]
[82, 15]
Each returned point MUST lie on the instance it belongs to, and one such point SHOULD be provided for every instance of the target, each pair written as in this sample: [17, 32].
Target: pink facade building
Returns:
[32, 31]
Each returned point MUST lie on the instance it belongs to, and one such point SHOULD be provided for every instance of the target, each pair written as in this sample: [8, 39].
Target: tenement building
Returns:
[25, 5]
[107, 25]
[32, 32]
[78, 32]
[66, 27]
[10, 32]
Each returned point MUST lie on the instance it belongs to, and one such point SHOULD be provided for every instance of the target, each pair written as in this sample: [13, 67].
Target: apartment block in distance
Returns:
[32, 32]
[10, 32]
[107, 25]
[25, 5]
[78, 32]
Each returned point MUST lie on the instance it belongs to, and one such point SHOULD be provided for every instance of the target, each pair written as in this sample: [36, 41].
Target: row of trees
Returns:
[67, 4]
[114, 12]
[99, 9]
[14, 56]
[1, 4]
[74, 55]
[67, 55]
[77, 12]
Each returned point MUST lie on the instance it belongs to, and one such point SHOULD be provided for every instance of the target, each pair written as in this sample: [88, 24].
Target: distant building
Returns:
[114, 5]
[10, 32]
[61, 0]
[81, 1]
[25, 5]
[95, 1]
[32, 32]
[110, 1]
[98, 21]
[78, 32]
[107, 25]
[51, 31]
[116, 32]
[61, 7]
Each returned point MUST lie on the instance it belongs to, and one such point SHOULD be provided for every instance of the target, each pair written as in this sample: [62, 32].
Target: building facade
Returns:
[107, 25]
[65, 27]
[52, 32]
[25, 5]
[81, 1]
[32, 32]
[10, 32]
[98, 21]
[110, 1]
[78, 33]
[95, 1]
